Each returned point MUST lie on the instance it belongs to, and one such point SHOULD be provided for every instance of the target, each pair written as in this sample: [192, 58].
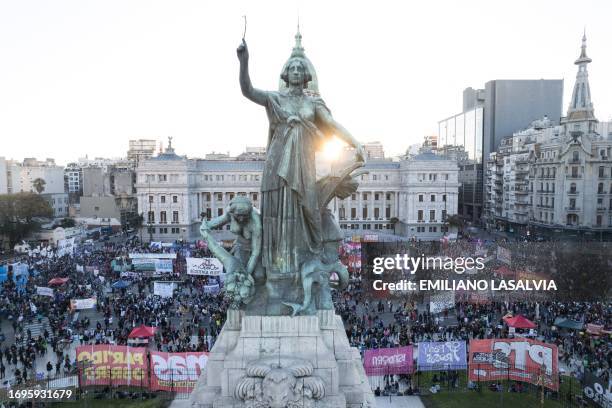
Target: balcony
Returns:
[574, 176]
[601, 208]
[521, 192]
[573, 192]
[572, 209]
[601, 192]
[574, 161]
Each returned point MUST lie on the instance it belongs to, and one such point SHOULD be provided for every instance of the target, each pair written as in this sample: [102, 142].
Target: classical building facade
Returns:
[549, 177]
[174, 193]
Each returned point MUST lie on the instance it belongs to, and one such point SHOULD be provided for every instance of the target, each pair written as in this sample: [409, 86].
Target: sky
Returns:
[83, 77]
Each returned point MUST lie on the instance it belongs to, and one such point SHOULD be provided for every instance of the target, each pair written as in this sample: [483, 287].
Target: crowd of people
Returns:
[192, 319]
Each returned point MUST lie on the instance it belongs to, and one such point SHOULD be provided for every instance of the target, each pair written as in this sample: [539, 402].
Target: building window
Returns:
[365, 196]
[175, 199]
[600, 189]
[162, 177]
[175, 216]
[150, 199]
[420, 215]
[433, 198]
[599, 220]
[432, 215]
[353, 213]
[364, 213]
[219, 196]
[219, 212]
[162, 199]
[388, 197]
[444, 215]
[420, 198]
[151, 217]
[162, 217]
[376, 197]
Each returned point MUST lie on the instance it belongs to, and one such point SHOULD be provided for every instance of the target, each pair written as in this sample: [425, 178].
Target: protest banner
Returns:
[434, 356]
[514, 359]
[176, 372]
[81, 304]
[44, 291]
[104, 364]
[211, 289]
[163, 289]
[65, 247]
[441, 301]
[144, 264]
[504, 255]
[387, 361]
[136, 255]
[596, 390]
[163, 265]
[204, 266]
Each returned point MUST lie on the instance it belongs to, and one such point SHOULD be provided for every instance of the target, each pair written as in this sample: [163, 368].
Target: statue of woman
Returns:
[299, 124]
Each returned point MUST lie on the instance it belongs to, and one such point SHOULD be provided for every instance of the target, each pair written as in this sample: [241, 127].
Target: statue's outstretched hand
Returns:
[243, 52]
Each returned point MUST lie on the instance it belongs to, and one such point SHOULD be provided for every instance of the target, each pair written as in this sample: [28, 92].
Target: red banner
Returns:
[515, 359]
[176, 372]
[104, 364]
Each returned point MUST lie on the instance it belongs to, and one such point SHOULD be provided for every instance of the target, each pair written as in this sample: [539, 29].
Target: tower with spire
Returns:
[581, 107]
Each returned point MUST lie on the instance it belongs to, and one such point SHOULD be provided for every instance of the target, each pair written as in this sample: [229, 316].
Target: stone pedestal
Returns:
[282, 361]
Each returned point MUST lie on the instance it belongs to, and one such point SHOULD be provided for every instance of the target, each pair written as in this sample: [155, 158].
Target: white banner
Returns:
[79, 268]
[80, 304]
[152, 256]
[504, 255]
[204, 266]
[65, 247]
[44, 291]
[163, 265]
[163, 289]
[441, 301]
[211, 289]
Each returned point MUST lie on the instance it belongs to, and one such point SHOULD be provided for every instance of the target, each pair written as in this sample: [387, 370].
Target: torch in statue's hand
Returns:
[243, 52]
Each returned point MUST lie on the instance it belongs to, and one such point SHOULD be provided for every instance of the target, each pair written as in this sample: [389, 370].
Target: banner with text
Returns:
[434, 356]
[44, 291]
[163, 265]
[104, 364]
[204, 266]
[81, 304]
[177, 372]
[514, 359]
[597, 390]
[387, 361]
[163, 289]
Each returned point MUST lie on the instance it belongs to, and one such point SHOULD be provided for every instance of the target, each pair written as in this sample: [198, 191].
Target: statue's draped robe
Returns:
[291, 216]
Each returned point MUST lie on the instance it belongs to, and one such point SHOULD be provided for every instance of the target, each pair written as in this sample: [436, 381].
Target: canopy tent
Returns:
[566, 323]
[58, 281]
[142, 331]
[120, 284]
[520, 322]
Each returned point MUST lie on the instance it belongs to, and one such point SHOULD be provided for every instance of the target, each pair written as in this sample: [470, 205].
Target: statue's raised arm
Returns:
[256, 95]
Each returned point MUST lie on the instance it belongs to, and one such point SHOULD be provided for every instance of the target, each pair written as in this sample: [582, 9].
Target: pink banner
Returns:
[177, 372]
[389, 361]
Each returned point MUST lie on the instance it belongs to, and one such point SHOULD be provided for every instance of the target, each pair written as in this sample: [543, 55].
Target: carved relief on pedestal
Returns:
[273, 383]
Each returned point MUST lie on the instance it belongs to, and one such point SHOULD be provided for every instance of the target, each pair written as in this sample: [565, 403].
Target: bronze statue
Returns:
[295, 242]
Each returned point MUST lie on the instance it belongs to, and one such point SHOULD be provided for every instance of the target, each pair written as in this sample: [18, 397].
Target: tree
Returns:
[67, 223]
[393, 221]
[39, 185]
[455, 221]
[17, 214]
